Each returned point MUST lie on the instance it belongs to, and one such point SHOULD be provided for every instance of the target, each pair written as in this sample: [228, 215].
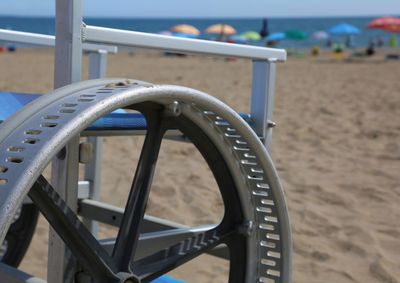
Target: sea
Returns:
[153, 25]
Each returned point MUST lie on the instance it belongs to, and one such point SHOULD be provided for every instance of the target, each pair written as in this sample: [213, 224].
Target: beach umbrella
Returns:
[320, 35]
[276, 36]
[384, 22]
[251, 36]
[296, 34]
[185, 29]
[389, 24]
[344, 29]
[392, 28]
[221, 29]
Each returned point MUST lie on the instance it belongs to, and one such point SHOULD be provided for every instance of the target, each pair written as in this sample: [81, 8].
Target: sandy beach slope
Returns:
[336, 147]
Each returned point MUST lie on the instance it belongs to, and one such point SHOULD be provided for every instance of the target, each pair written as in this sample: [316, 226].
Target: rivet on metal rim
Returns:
[247, 228]
[271, 124]
[173, 109]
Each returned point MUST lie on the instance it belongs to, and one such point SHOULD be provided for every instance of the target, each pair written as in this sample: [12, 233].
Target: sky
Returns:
[209, 8]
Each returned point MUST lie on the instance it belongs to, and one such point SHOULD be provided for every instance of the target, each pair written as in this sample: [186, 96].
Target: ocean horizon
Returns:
[45, 25]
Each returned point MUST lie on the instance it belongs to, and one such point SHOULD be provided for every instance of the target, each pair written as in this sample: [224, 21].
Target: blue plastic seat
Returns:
[166, 279]
[11, 102]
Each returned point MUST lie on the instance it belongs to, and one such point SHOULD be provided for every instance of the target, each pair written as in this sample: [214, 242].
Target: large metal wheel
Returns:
[19, 235]
[254, 228]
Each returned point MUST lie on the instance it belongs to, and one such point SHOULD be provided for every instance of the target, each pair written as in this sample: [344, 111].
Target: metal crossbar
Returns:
[176, 44]
[47, 40]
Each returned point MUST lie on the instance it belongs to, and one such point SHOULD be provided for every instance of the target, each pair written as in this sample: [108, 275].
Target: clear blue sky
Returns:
[209, 8]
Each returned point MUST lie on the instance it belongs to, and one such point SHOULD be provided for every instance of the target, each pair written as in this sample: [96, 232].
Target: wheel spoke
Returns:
[161, 262]
[76, 236]
[128, 234]
[237, 256]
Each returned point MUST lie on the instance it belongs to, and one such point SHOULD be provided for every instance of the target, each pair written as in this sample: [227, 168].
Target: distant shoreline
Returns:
[45, 25]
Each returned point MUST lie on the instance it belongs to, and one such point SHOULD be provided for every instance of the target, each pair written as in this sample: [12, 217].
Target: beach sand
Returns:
[336, 148]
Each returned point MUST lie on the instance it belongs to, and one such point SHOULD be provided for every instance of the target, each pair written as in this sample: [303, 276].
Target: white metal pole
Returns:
[97, 69]
[67, 69]
[98, 64]
[68, 53]
[262, 99]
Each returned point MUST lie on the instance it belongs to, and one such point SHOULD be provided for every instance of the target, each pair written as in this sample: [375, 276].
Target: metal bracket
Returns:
[83, 32]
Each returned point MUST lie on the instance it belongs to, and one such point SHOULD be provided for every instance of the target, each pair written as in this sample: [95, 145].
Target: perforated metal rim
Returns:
[254, 185]
[46, 135]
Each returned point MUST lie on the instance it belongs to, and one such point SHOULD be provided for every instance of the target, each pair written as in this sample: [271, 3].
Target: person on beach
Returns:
[264, 32]
[329, 43]
[349, 42]
[370, 48]
[338, 48]
[393, 41]
[380, 42]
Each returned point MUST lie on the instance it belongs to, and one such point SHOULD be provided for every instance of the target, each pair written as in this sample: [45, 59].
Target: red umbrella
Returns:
[383, 23]
[392, 28]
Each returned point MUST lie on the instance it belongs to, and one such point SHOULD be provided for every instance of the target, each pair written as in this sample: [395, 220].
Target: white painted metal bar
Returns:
[83, 189]
[118, 37]
[98, 64]
[47, 40]
[97, 69]
[65, 179]
[262, 99]
[68, 54]
[93, 176]
[67, 70]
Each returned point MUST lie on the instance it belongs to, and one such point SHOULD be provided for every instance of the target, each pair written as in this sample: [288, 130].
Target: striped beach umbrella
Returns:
[185, 29]
[223, 29]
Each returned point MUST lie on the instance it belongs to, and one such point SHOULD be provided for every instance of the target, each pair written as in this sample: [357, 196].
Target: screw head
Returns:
[247, 228]
[174, 109]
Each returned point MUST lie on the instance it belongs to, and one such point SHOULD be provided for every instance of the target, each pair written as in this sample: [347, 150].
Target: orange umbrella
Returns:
[221, 29]
[185, 29]
[384, 23]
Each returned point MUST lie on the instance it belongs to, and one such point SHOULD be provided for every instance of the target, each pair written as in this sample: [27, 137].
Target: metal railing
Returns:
[47, 40]
[96, 34]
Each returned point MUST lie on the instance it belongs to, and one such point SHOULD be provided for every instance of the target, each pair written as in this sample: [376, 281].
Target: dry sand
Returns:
[336, 147]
